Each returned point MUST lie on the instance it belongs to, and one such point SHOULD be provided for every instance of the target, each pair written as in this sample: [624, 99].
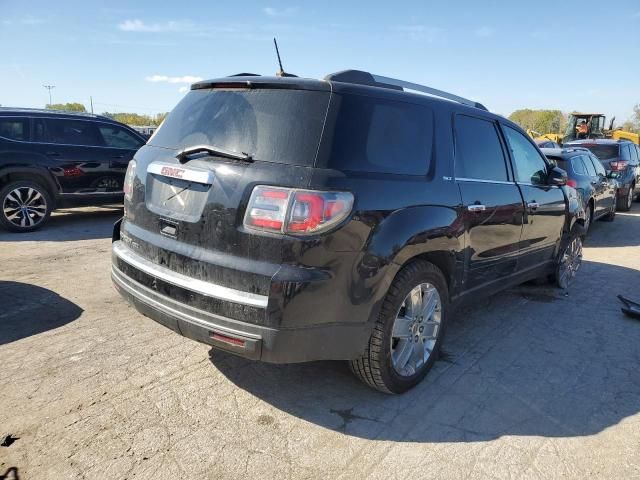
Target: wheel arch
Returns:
[32, 174]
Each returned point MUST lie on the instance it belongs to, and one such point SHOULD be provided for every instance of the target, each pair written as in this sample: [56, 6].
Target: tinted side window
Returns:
[479, 153]
[528, 163]
[634, 154]
[625, 152]
[380, 135]
[14, 128]
[578, 166]
[599, 168]
[118, 137]
[71, 132]
[591, 170]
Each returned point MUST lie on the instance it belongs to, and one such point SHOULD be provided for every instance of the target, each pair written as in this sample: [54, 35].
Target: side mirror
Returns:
[557, 176]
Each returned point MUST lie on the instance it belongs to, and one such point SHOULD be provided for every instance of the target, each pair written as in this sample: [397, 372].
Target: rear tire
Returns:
[569, 262]
[24, 206]
[624, 204]
[406, 325]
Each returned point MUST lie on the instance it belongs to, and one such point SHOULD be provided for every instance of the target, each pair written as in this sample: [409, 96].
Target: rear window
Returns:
[603, 152]
[272, 125]
[379, 135]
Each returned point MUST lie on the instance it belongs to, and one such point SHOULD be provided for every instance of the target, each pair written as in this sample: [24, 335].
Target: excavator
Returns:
[588, 126]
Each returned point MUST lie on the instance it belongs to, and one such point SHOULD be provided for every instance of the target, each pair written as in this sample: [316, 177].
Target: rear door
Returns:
[120, 145]
[76, 154]
[600, 183]
[492, 205]
[545, 205]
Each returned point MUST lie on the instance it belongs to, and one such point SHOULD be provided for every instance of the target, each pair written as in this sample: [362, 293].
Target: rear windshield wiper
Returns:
[215, 151]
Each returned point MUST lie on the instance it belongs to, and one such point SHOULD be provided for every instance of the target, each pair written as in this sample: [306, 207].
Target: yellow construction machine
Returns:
[586, 126]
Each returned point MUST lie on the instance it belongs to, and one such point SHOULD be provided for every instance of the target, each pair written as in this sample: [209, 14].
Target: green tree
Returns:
[541, 121]
[70, 107]
[136, 119]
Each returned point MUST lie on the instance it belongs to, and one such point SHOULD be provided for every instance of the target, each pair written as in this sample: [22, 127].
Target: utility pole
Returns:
[49, 87]
[91, 100]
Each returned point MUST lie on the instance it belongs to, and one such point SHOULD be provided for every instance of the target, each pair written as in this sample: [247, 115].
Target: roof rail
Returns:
[366, 78]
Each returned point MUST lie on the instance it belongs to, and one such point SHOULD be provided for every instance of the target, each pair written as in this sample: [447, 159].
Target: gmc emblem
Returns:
[172, 172]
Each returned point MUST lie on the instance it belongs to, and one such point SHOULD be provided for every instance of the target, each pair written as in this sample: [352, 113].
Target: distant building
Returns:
[147, 131]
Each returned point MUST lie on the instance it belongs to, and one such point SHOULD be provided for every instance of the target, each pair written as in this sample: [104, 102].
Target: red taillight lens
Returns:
[72, 172]
[618, 165]
[296, 211]
[128, 180]
[572, 183]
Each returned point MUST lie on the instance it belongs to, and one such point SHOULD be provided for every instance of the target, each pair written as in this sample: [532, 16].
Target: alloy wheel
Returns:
[570, 263]
[24, 207]
[415, 329]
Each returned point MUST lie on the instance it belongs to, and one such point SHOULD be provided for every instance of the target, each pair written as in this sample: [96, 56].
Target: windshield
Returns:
[273, 125]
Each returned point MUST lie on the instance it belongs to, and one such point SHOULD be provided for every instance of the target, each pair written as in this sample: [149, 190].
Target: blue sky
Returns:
[141, 56]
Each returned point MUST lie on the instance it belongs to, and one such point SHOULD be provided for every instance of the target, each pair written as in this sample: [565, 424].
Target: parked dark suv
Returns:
[621, 160]
[51, 159]
[587, 175]
[289, 220]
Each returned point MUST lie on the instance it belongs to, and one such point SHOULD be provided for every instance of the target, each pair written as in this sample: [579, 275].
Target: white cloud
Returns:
[183, 89]
[164, 78]
[280, 12]
[485, 32]
[422, 32]
[137, 25]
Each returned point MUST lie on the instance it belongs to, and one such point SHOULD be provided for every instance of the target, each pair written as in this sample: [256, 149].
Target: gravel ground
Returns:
[532, 383]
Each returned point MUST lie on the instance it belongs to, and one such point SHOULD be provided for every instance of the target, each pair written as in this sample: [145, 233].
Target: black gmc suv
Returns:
[289, 220]
[52, 159]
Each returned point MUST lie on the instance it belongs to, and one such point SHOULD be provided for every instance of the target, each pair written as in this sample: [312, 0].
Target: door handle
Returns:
[118, 156]
[52, 154]
[476, 208]
[533, 205]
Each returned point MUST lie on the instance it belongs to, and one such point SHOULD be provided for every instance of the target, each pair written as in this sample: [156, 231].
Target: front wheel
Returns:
[406, 337]
[25, 206]
[569, 262]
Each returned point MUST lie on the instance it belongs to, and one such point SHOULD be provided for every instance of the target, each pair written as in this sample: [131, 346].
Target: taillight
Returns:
[287, 210]
[72, 172]
[572, 183]
[128, 180]
[618, 165]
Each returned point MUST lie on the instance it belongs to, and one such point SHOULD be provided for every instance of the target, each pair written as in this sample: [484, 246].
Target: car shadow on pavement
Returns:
[28, 310]
[531, 361]
[618, 237]
[71, 224]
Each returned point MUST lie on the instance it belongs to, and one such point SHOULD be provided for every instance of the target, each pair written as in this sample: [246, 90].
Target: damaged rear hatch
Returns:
[191, 183]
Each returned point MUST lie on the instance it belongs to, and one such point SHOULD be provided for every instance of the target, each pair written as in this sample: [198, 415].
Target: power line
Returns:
[49, 87]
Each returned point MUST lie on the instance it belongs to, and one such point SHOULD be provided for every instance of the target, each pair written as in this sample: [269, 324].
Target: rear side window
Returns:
[625, 152]
[68, 132]
[380, 135]
[634, 154]
[479, 153]
[598, 166]
[14, 128]
[273, 125]
[117, 137]
[591, 170]
[578, 165]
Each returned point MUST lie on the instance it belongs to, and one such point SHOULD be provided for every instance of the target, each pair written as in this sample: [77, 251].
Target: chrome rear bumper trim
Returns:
[193, 284]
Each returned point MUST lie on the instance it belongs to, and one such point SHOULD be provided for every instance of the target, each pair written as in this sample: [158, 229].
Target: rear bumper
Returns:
[275, 345]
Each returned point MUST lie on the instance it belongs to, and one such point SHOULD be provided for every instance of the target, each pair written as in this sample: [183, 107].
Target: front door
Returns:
[545, 205]
[491, 202]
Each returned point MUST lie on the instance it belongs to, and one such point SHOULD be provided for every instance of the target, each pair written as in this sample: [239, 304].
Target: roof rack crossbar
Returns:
[428, 90]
